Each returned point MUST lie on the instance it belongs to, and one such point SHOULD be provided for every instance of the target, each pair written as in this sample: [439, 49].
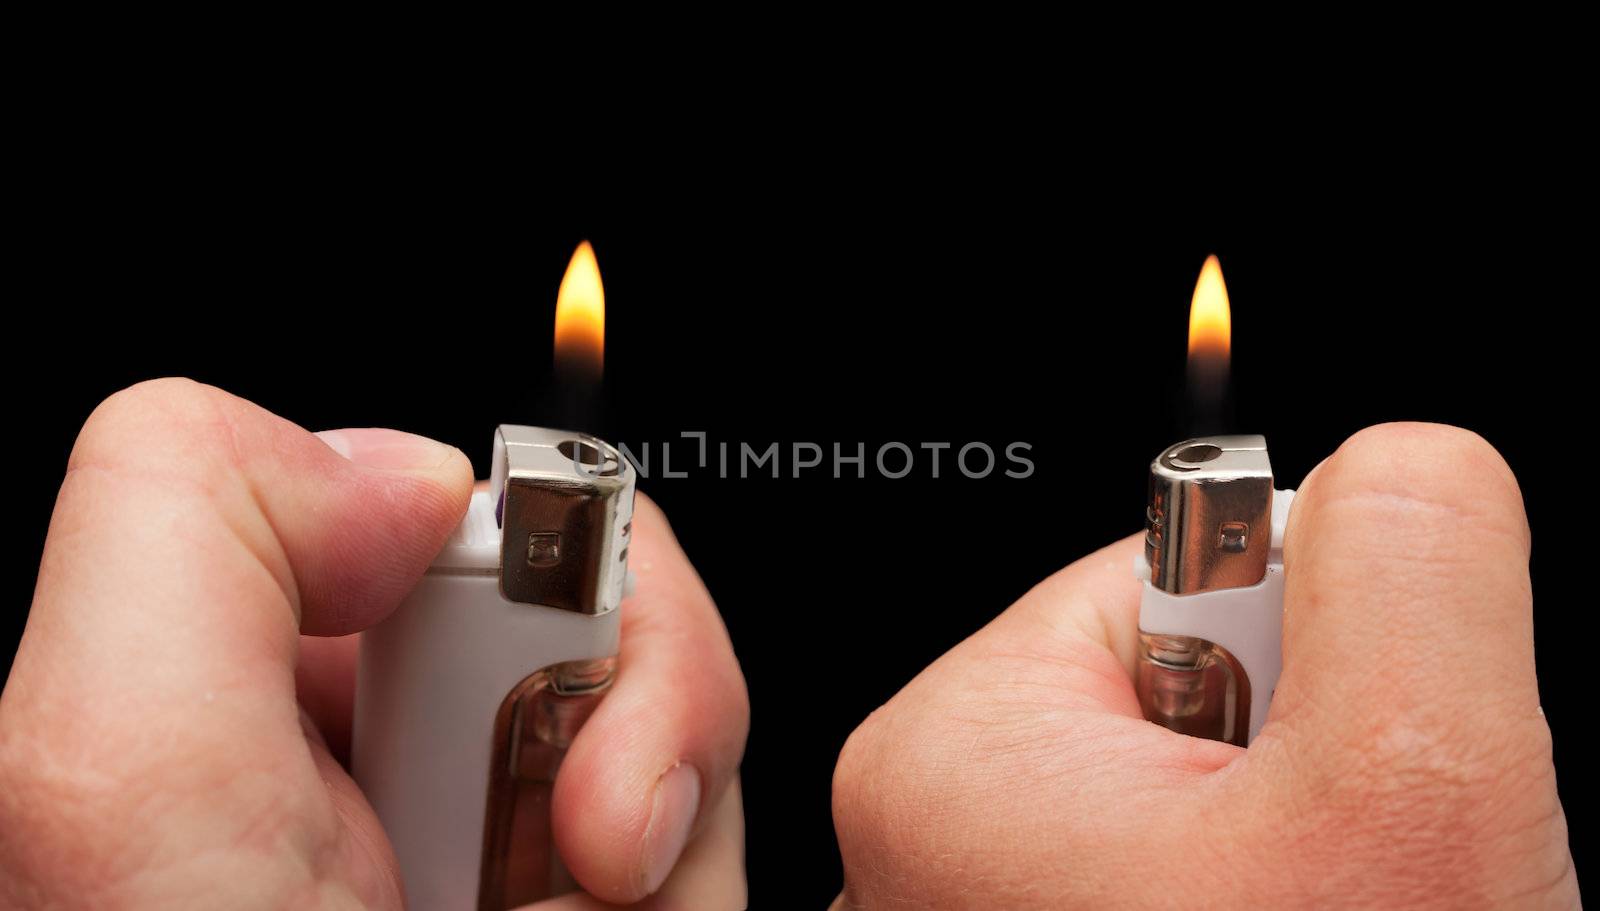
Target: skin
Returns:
[172, 728]
[1405, 762]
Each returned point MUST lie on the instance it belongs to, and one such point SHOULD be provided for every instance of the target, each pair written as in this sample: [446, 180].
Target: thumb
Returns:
[150, 715]
[196, 534]
[1408, 603]
[1405, 742]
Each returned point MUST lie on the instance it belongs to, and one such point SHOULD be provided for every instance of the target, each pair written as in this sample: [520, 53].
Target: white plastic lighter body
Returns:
[430, 681]
[1247, 622]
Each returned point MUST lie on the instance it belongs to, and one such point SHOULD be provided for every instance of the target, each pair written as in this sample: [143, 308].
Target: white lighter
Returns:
[469, 694]
[1211, 616]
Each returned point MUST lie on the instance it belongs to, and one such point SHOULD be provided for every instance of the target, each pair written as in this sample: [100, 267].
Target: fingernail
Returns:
[672, 813]
[374, 447]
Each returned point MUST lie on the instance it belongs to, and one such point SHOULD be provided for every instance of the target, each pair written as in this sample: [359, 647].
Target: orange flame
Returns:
[1210, 322]
[581, 315]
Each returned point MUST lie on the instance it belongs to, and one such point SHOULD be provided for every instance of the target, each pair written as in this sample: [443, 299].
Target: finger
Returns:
[709, 875]
[194, 536]
[325, 679]
[194, 529]
[1408, 600]
[1072, 643]
[666, 739]
[1053, 672]
[1093, 602]
[1040, 702]
[1084, 622]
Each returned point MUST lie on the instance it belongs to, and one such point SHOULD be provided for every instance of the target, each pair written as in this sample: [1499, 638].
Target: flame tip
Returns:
[581, 310]
[1210, 319]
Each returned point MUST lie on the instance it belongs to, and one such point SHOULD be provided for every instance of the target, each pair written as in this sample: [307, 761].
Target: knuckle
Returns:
[149, 399]
[856, 759]
[863, 797]
[861, 822]
[165, 411]
[899, 809]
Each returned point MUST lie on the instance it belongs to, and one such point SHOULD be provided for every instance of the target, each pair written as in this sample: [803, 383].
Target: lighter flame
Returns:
[1210, 325]
[581, 312]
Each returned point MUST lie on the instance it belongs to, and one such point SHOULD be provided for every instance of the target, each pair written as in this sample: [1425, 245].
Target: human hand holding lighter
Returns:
[1404, 761]
[153, 752]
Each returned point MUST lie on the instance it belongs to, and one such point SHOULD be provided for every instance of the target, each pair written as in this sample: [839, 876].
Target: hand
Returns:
[1405, 761]
[152, 749]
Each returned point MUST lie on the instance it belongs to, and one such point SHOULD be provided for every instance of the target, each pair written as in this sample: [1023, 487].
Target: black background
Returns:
[764, 292]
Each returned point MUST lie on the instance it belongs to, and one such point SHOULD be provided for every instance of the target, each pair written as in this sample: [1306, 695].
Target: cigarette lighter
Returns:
[1211, 616]
[468, 696]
